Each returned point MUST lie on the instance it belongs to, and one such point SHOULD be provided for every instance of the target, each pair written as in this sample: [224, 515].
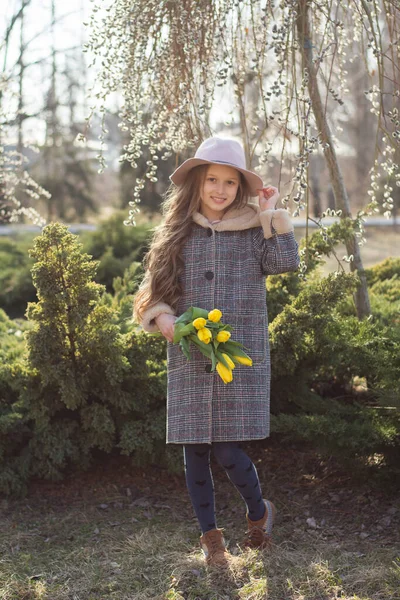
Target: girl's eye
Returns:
[213, 179]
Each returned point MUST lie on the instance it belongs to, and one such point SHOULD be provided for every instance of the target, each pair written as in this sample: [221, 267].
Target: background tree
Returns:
[14, 177]
[176, 62]
[43, 103]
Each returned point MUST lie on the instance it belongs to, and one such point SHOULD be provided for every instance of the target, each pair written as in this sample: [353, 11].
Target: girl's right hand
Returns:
[166, 324]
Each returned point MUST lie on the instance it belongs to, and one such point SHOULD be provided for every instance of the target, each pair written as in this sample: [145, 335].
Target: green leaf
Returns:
[225, 327]
[213, 360]
[187, 329]
[232, 350]
[205, 348]
[199, 312]
[178, 332]
[231, 345]
[184, 344]
[185, 317]
[222, 359]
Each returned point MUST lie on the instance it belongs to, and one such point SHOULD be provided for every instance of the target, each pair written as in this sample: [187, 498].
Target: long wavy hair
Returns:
[163, 262]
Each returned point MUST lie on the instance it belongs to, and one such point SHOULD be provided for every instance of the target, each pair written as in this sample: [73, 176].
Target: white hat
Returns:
[221, 151]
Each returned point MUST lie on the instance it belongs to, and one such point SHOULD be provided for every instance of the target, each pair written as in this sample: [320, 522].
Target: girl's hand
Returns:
[268, 197]
[166, 324]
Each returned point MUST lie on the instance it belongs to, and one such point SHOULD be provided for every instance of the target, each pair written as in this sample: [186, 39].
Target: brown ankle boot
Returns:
[213, 545]
[258, 533]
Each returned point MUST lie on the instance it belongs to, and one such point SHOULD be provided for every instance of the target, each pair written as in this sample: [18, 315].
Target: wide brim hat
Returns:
[220, 151]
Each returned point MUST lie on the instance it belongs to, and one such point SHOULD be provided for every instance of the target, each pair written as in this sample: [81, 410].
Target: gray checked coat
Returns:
[225, 268]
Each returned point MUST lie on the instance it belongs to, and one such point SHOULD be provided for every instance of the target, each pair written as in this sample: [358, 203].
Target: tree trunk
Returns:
[20, 117]
[361, 297]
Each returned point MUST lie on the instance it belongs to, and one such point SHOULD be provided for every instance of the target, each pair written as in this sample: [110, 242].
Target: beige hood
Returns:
[247, 217]
[235, 219]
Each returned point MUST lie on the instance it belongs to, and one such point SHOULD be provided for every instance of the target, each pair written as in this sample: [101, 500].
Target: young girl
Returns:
[213, 250]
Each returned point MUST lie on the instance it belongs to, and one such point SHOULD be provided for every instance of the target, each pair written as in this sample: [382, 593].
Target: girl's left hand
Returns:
[268, 197]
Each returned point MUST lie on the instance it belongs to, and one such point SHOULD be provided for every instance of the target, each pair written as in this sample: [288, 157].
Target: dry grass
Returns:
[100, 543]
[162, 561]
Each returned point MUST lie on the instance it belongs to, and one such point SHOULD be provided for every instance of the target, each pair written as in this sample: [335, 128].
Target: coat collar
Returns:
[235, 219]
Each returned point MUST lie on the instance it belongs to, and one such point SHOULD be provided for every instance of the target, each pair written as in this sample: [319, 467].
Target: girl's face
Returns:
[220, 187]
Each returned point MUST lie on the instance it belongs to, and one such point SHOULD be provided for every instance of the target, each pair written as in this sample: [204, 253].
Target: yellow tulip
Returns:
[229, 360]
[204, 335]
[244, 361]
[223, 336]
[215, 315]
[199, 323]
[224, 373]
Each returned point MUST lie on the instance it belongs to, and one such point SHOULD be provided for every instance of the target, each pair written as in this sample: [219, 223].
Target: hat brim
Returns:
[178, 176]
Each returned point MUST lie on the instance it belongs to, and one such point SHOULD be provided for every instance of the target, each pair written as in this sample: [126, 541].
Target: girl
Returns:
[213, 250]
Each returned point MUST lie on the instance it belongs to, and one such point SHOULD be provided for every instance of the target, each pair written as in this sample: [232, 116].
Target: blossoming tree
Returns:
[276, 68]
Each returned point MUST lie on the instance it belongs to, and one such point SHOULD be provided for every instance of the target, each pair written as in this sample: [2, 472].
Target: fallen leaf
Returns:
[140, 502]
[311, 523]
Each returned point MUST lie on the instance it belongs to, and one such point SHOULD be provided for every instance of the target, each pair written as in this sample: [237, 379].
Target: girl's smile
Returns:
[219, 190]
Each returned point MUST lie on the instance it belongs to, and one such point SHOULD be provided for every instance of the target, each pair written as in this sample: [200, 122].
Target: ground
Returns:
[119, 532]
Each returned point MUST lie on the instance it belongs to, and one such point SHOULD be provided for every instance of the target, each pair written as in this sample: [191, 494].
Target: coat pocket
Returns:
[251, 330]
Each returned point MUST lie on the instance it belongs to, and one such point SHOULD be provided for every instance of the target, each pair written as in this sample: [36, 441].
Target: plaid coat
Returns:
[225, 268]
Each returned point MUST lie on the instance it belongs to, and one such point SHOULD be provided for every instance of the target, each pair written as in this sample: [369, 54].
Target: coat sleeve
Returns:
[148, 323]
[274, 243]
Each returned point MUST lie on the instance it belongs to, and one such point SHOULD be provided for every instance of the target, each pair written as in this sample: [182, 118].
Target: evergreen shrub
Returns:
[320, 351]
[116, 247]
[16, 286]
[83, 387]
[79, 379]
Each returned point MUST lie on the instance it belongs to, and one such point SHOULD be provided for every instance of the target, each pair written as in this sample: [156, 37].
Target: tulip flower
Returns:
[223, 336]
[215, 315]
[199, 323]
[224, 373]
[243, 361]
[204, 335]
[206, 331]
[229, 360]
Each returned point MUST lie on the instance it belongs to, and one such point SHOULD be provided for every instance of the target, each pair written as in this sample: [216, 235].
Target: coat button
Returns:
[209, 275]
[207, 368]
[209, 232]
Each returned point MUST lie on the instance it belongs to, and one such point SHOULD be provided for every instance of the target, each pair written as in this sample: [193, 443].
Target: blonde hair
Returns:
[163, 263]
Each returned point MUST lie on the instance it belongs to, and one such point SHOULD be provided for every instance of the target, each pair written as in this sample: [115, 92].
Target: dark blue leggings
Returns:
[240, 470]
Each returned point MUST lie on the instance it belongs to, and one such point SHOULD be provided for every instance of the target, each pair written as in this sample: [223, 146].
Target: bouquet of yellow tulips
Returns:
[204, 329]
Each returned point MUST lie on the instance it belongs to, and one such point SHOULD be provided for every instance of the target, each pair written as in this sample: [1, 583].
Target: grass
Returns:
[132, 535]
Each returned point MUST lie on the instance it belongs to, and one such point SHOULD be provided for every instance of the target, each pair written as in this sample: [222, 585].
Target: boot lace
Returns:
[215, 545]
[258, 537]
